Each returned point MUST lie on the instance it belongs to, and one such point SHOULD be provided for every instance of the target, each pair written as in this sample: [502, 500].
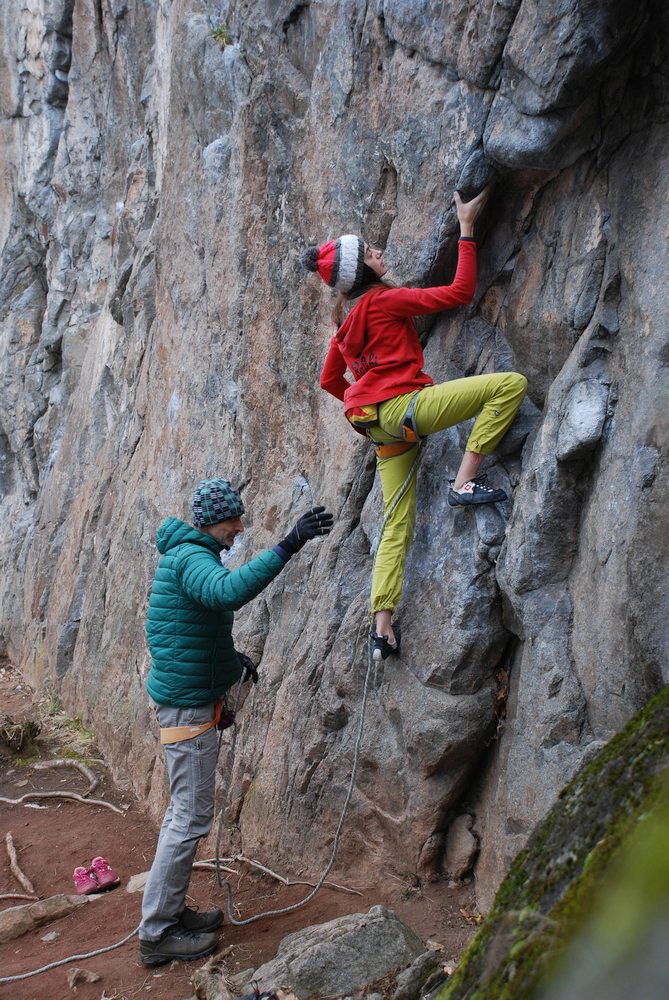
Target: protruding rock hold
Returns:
[583, 420]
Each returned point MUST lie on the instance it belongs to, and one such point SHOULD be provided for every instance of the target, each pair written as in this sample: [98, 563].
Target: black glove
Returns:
[249, 669]
[316, 521]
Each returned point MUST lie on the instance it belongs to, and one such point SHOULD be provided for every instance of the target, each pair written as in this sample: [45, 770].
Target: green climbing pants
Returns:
[495, 398]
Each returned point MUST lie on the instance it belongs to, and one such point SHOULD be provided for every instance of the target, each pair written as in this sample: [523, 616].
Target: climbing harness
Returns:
[409, 429]
[223, 719]
[392, 449]
[366, 418]
[224, 883]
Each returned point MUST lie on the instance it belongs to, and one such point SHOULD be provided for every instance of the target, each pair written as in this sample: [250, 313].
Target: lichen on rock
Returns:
[570, 864]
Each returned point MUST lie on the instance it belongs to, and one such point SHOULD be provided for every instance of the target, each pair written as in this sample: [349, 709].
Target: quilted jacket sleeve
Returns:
[207, 582]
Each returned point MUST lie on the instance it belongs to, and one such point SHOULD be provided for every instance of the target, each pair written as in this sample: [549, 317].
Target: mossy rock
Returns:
[554, 884]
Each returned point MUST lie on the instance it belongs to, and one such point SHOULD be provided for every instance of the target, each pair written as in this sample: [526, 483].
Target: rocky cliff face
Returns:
[165, 163]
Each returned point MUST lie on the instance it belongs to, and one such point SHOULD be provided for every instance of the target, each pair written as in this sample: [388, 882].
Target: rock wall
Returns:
[166, 161]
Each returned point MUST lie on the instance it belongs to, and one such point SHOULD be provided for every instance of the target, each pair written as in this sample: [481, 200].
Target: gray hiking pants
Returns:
[191, 767]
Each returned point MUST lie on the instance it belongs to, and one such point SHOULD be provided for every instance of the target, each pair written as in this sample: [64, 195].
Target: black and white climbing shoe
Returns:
[475, 491]
[381, 647]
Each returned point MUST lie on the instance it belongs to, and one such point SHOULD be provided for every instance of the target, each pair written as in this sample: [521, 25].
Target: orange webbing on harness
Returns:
[395, 448]
[174, 734]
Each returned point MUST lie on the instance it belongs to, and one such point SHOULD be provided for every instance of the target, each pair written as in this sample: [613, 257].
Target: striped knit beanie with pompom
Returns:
[340, 263]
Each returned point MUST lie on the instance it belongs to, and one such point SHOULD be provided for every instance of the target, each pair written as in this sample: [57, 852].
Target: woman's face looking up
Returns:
[374, 259]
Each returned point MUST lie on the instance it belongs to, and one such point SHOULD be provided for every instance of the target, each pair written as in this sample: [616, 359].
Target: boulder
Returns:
[341, 956]
[18, 920]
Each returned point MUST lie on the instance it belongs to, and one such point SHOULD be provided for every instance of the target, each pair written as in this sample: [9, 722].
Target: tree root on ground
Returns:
[210, 863]
[62, 795]
[93, 782]
[90, 777]
[20, 876]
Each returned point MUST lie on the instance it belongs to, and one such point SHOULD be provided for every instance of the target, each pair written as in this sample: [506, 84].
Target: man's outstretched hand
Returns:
[317, 521]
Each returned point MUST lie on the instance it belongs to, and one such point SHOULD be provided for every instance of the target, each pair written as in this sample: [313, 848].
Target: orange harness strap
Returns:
[393, 449]
[174, 734]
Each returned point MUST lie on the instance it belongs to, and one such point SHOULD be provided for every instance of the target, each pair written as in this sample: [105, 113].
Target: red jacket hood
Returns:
[351, 334]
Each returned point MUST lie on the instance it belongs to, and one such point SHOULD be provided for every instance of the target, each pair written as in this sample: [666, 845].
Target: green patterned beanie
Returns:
[215, 500]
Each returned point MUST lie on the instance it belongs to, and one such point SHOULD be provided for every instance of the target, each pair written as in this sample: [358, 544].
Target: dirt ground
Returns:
[52, 840]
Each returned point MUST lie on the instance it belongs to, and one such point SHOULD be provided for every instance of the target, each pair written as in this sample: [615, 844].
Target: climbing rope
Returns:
[72, 958]
[225, 883]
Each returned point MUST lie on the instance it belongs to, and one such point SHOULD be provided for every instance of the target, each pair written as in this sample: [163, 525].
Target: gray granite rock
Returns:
[18, 920]
[343, 955]
[461, 847]
[583, 419]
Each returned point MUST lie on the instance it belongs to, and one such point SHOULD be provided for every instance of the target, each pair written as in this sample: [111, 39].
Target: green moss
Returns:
[552, 883]
[51, 702]
[26, 761]
[68, 753]
[76, 725]
[222, 35]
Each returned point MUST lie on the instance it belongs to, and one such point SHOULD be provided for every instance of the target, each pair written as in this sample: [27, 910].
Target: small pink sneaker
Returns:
[104, 873]
[85, 882]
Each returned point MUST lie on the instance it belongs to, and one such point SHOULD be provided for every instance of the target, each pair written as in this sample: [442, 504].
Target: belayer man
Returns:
[194, 662]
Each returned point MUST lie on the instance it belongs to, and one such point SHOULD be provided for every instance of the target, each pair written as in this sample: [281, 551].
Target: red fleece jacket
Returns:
[378, 342]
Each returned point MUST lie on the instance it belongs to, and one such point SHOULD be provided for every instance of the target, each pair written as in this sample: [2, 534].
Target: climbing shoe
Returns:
[177, 943]
[474, 492]
[381, 648]
[209, 920]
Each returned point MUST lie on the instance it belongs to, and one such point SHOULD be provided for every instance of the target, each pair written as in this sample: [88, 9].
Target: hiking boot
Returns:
[381, 647]
[177, 943]
[103, 872]
[209, 920]
[475, 491]
[84, 881]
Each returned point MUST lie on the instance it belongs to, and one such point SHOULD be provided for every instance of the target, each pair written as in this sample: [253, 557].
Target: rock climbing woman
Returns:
[395, 403]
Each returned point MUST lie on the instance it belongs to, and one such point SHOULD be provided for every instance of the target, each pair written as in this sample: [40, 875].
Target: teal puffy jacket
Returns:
[190, 616]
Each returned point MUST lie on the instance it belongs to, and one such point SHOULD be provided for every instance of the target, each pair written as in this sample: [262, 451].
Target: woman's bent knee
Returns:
[519, 383]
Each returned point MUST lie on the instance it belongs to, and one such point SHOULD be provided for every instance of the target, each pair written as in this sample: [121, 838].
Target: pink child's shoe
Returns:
[85, 882]
[103, 872]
